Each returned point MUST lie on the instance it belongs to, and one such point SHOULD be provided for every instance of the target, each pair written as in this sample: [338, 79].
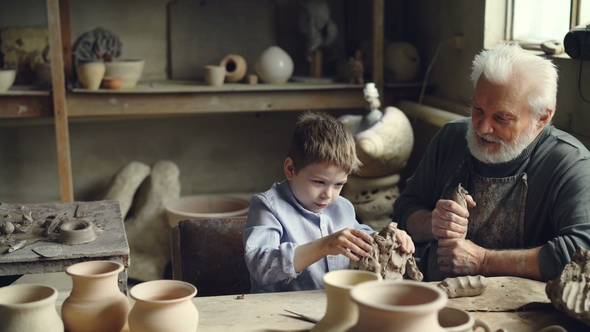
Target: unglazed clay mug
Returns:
[458, 320]
[215, 75]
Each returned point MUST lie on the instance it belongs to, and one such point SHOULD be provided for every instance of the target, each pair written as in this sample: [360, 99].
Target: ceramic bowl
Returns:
[128, 70]
[7, 77]
[204, 207]
[76, 231]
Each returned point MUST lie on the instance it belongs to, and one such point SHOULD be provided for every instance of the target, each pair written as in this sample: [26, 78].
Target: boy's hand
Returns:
[349, 242]
[405, 241]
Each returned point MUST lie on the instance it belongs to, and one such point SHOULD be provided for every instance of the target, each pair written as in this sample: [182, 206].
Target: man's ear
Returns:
[289, 168]
[546, 118]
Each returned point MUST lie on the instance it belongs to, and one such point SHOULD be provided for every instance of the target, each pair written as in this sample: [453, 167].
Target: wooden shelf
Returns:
[23, 101]
[187, 97]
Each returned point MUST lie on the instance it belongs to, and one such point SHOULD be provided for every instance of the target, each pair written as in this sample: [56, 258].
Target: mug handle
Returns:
[481, 323]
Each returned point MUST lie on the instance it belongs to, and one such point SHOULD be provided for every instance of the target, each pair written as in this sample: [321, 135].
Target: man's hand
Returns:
[449, 219]
[460, 257]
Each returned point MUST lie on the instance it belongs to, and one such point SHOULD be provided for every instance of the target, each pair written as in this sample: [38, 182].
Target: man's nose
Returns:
[484, 126]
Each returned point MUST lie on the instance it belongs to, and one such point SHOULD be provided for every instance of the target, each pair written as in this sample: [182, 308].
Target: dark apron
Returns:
[496, 222]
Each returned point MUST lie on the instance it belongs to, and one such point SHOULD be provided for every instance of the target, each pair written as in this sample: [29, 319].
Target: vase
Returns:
[163, 305]
[90, 74]
[29, 307]
[400, 306]
[274, 66]
[128, 70]
[341, 312]
[459, 320]
[96, 304]
[235, 67]
[214, 75]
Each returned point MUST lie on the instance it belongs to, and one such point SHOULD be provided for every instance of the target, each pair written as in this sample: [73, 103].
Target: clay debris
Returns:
[464, 286]
[387, 258]
[570, 292]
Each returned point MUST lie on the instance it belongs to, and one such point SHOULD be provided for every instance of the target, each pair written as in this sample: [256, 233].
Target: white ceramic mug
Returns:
[215, 75]
[458, 320]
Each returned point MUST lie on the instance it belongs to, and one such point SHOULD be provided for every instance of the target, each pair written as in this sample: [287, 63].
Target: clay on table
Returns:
[464, 286]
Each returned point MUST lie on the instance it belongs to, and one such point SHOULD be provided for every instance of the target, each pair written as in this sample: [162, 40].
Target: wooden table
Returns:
[110, 244]
[266, 312]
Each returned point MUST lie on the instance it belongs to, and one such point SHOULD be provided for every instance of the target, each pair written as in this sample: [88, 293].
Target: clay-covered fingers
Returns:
[353, 243]
[405, 241]
[449, 220]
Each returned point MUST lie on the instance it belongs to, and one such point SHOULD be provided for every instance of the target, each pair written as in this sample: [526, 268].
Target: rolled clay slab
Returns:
[464, 286]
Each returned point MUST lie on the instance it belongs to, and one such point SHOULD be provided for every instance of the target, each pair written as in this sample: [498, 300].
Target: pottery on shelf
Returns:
[128, 70]
[29, 307]
[214, 75]
[401, 306]
[235, 67]
[90, 74]
[274, 66]
[96, 303]
[204, 207]
[112, 83]
[7, 77]
[341, 312]
[163, 305]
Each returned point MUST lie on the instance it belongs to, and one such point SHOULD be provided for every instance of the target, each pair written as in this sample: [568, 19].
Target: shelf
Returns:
[23, 101]
[187, 97]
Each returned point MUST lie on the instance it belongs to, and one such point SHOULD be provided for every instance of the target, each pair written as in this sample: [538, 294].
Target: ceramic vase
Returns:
[96, 304]
[30, 308]
[90, 74]
[235, 67]
[214, 75]
[341, 312]
[274, 65]
[459, 320]
[400, 306]
[163, 305]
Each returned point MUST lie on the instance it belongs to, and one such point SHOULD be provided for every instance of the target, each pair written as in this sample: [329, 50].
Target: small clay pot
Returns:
[112, 83]
[76, 231]
[235, 67]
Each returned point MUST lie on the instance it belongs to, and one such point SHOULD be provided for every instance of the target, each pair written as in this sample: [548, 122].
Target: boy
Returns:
[302, 228]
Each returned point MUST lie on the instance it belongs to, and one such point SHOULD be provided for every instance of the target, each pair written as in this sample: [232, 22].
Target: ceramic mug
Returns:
[458, 320]
[215, 75]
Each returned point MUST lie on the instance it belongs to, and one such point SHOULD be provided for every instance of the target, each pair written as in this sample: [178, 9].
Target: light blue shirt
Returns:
[276, 225]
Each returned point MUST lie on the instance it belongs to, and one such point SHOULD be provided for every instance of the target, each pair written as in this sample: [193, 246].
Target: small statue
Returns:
[355, 69]
[316, 25]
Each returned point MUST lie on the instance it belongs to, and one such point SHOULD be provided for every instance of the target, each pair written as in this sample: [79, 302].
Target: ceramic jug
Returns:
[341, 312]
[398, 306]
[163, 305]
[96, 304]
[30, 308]
[458, 320]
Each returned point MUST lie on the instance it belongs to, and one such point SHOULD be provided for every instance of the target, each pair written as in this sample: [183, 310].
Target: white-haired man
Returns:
[529, 203]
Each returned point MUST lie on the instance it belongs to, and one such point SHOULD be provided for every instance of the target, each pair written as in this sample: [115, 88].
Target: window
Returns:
[532, 22]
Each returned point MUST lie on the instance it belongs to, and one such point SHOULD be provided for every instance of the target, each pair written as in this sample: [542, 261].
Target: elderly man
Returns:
[529, 183]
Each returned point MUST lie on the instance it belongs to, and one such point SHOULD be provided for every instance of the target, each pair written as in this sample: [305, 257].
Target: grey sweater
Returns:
[557, 213]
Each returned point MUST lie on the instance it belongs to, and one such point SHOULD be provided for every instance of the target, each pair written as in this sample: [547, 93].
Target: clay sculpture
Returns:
[387, 259]
[569, 292]
[464, 286]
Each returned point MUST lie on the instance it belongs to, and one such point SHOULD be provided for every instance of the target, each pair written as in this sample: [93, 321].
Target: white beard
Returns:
[506, 152]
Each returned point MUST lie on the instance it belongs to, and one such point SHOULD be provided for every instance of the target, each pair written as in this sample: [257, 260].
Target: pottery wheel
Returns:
[504, 294]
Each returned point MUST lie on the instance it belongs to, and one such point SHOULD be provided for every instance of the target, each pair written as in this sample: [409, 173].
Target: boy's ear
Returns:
[289, 168]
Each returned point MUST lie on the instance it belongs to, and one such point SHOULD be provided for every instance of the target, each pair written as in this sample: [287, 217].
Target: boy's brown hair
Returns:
[321, 138]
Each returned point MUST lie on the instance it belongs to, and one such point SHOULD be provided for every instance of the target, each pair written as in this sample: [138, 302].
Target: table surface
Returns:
[110, 243]
[266, 312]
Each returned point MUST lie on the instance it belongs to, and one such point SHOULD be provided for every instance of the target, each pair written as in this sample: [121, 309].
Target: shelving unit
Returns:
[165, 98]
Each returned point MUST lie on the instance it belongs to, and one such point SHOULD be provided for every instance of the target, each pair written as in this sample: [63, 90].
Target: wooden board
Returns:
[204, 32]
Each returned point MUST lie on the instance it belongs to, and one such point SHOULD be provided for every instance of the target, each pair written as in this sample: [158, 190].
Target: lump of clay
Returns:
[387, 258]
[569, 292]
[458, 196]
[464, 286]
